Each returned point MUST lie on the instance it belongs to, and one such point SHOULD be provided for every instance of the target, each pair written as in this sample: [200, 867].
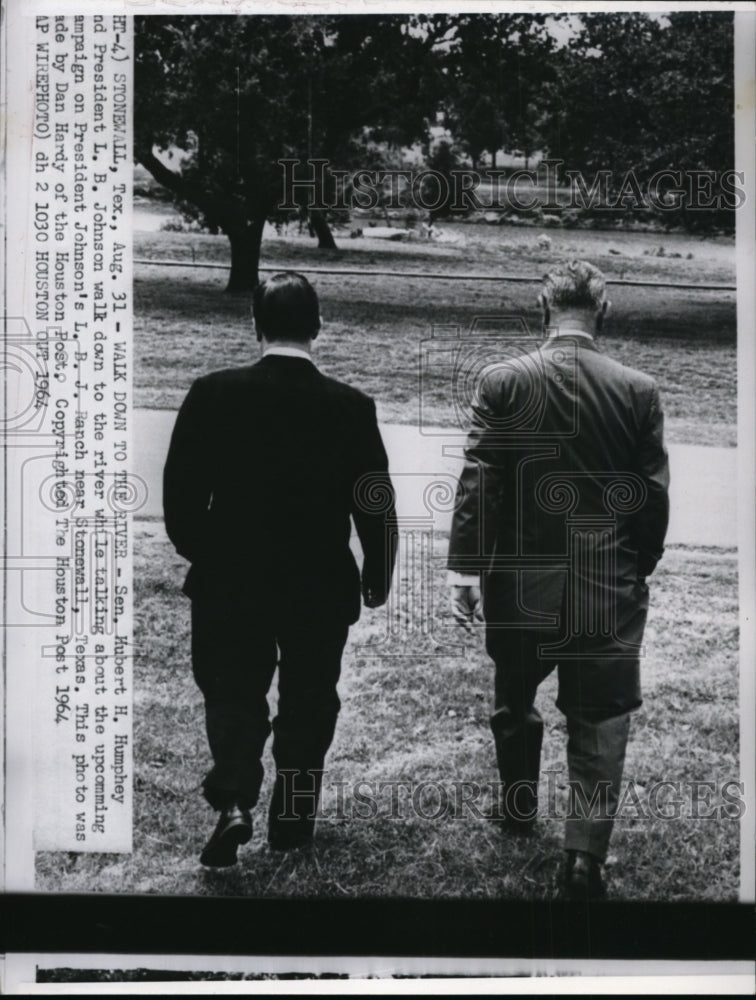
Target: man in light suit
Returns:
[262, 481]
[563, 509]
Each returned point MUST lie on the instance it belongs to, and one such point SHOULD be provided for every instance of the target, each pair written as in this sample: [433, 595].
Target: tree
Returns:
[695, 102]
[496, 66]
[641, 94]
[241, 93]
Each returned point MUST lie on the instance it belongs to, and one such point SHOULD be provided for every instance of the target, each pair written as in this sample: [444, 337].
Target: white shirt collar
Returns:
[288, 352]
[565, 331]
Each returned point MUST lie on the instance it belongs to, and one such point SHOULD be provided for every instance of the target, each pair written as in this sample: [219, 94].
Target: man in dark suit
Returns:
[264, 472]
[563, 507]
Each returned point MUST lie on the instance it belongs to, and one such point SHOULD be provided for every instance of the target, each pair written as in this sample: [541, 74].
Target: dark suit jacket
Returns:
[259, 487]
[563, 501]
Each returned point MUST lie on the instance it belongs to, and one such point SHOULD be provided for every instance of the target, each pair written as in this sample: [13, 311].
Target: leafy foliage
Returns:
[633, 93]
[496, 66]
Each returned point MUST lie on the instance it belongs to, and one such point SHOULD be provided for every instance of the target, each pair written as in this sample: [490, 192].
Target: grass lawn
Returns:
[422, 719]
[374, 327]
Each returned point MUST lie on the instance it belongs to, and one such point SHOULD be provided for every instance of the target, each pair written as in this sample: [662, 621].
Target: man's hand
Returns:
[466, 606]
[374, 598]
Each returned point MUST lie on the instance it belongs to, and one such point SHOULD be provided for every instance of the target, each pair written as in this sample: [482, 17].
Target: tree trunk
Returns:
[322, 230]
[245, 256]
[245, 236]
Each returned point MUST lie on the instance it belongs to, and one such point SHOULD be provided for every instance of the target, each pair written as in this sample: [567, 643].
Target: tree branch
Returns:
[220, 212]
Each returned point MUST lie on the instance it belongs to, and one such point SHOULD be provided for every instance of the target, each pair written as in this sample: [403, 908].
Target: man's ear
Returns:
[601, 314]
[319, 326]
[543, 302]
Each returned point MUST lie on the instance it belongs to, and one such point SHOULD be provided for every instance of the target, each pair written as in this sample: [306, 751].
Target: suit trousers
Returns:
[595, 750]
[236, 646]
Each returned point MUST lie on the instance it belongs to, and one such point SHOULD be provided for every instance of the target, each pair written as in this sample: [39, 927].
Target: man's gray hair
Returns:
[577, 285]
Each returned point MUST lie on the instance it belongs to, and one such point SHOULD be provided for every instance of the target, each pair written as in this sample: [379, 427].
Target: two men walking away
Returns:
[561, 516]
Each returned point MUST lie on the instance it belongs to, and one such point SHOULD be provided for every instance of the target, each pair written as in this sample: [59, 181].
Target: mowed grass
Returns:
[418, 714]
[376, 328]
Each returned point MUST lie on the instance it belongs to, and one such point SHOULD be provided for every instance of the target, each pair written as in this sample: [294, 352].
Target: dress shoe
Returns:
[582, 877]
[234, 827]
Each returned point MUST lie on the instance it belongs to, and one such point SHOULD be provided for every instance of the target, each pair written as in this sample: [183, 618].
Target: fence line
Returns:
[437, 276]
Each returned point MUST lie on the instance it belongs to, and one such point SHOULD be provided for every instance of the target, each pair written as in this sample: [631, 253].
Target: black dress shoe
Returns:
[233, 828]
[582, 877]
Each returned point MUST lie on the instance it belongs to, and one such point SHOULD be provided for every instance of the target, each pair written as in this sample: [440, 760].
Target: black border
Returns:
[150, 925]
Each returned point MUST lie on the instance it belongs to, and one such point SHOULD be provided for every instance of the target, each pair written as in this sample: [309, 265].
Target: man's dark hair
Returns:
[285, 307]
